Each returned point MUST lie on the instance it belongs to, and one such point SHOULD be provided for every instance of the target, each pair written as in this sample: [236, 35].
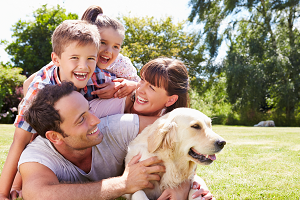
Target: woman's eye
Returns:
[152, 88]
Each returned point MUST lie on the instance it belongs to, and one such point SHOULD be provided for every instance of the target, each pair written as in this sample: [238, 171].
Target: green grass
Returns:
[256, 163]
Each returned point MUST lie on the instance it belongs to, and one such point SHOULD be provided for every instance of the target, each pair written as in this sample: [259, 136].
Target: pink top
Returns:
[105, 107]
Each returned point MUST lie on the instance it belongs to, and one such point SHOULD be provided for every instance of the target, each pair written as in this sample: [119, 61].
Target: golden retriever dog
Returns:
[182, 138]
[268, 123]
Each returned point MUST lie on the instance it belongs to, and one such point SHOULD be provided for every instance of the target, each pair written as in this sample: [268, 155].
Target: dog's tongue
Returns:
[212, 157]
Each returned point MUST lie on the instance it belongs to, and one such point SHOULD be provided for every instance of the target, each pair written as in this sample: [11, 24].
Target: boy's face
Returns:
[76, 63]
[111, 42]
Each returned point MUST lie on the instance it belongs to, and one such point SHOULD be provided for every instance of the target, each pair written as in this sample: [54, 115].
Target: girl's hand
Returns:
[106, 90]
[125, 88]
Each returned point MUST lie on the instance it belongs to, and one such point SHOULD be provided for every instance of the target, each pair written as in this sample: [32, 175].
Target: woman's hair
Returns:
[170, 74]
[94, 15]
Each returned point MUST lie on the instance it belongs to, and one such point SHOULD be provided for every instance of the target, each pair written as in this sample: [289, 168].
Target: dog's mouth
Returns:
[202, 158]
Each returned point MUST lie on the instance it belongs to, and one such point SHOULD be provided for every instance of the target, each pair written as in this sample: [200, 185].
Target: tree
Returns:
[147, 38]
[32, 47]
[263, 64]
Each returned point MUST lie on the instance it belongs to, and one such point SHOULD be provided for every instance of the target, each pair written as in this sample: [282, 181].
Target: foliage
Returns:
[263, 62]
[213, 102]
[32, 47]
[10, 92]
[147, 38]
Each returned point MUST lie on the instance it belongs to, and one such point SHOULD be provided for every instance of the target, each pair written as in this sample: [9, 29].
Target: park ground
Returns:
[256, 163]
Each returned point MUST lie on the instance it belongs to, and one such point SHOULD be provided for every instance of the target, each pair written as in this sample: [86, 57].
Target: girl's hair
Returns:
[94, 15]
[170, 74]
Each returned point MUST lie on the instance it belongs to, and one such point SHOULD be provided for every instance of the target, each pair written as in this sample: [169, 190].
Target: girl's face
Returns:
[150, 100]
[111, 42]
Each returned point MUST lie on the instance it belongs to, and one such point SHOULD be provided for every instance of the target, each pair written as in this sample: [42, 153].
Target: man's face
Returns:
[79, 124]
[77, 63]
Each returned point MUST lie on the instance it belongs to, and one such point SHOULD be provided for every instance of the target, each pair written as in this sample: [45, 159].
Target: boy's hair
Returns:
[170, 74]
[78, 31]
[94, 15]
[41, 114]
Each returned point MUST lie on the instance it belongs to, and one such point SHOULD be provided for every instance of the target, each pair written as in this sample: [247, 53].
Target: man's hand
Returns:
[106, 90]
[179, 193]
[137, 175]
[126, 87]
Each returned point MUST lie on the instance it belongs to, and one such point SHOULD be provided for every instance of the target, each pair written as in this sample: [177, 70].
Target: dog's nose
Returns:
[221, 143]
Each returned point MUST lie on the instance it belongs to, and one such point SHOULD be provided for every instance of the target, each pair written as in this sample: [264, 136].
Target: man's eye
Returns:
[81, 120]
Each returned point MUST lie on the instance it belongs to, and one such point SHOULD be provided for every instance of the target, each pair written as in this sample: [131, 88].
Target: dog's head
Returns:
[188, 133]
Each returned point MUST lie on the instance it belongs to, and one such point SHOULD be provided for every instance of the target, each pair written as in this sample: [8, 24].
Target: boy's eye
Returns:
[102, 42]
[116, 47]
[74, 57]
[92, 58]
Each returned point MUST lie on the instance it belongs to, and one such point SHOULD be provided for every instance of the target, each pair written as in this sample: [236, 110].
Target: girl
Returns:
[163, 87]
[112, 34]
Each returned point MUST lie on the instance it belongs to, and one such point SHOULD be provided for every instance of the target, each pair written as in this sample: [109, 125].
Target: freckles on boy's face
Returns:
[77, 63]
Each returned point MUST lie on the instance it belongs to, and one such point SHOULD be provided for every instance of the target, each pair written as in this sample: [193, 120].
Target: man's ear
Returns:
[54, 137]
[171, 100]
[55, 59]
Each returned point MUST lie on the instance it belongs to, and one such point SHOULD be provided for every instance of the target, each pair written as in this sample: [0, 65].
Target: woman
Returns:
[163, 87]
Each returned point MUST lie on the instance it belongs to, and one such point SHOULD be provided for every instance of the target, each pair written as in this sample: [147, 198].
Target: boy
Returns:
[75, 46]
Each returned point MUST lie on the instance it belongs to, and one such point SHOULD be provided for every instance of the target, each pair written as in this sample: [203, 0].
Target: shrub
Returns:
[11, 92]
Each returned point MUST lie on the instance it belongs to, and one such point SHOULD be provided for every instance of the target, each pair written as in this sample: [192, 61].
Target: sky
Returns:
[12, 11]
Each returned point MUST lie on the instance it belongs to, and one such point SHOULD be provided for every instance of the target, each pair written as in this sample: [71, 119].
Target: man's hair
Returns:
[71, 31]
[41, 114]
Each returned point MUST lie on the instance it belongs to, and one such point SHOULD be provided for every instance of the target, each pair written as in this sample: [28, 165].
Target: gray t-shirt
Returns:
[107, 157]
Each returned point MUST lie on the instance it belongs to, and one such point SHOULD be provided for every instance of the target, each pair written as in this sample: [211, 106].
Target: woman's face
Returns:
[150, 100]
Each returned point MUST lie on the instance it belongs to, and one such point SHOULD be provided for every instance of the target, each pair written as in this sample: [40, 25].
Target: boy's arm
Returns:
[21, 139]
[27, 83]
[137, 175]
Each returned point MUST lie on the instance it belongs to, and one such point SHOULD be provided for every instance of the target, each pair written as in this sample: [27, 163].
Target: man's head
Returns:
[59, 113]
[75, 44]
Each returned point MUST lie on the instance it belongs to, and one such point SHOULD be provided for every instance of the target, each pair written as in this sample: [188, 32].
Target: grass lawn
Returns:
[256, 163]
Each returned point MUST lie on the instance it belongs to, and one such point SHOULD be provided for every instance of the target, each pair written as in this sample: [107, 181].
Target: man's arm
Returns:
[137, 176]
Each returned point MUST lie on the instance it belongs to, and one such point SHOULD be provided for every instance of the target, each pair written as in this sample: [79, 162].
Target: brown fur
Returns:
[170, 138]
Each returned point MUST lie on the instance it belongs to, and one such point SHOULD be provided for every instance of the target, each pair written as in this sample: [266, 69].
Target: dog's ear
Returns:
[164, 136]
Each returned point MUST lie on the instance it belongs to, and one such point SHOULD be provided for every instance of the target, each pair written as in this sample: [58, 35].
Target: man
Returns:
[72, 147]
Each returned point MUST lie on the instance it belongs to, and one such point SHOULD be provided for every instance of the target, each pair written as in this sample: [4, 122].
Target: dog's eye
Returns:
[196, 126]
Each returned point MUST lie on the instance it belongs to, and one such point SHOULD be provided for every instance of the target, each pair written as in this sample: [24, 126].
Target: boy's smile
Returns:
[77, 63]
